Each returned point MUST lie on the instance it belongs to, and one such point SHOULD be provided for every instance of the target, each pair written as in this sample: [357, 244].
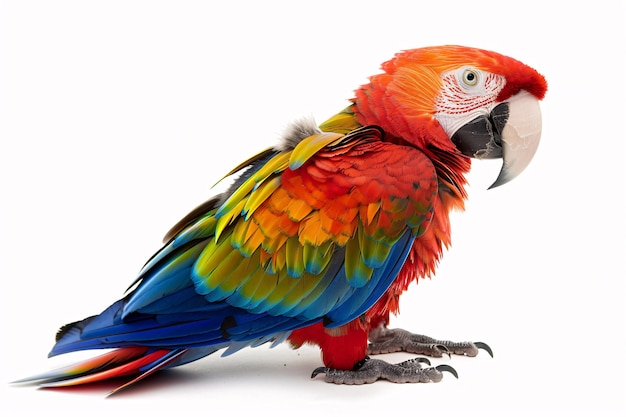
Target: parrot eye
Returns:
[470, 77]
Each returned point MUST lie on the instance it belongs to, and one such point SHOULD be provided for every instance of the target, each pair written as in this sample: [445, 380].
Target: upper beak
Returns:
[511, 132]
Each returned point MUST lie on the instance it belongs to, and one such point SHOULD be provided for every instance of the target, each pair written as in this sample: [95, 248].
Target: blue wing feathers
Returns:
[363, 298]
[162, 323]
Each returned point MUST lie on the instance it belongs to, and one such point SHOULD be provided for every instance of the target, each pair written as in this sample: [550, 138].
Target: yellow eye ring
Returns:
[470, 77]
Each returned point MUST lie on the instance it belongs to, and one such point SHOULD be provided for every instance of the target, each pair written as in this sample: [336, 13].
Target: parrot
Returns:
[318, 236]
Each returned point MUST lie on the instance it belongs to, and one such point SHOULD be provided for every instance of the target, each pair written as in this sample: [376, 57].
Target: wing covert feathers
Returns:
[279, 231]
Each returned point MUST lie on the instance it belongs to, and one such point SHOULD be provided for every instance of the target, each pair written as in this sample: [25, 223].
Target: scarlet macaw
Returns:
[318, 236]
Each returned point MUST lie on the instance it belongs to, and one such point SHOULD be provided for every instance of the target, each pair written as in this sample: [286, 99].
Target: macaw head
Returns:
[455, 98]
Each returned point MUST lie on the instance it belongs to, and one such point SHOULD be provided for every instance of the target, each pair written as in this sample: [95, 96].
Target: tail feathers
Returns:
[120, 362]
[155, 366]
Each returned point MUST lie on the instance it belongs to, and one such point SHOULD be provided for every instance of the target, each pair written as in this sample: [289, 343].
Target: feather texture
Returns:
[314, 241]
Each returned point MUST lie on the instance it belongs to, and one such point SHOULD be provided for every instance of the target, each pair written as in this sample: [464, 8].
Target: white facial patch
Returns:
[466, 94]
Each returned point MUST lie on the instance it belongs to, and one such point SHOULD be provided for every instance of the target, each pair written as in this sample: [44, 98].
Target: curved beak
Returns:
[511, 131]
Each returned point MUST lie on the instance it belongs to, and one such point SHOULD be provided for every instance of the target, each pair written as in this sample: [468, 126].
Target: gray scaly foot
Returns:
[372, 370]
[385, 340]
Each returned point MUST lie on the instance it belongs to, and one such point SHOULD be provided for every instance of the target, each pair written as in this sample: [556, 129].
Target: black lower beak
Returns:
[482, 137]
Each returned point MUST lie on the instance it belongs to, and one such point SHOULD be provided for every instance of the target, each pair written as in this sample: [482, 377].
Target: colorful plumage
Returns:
[318, 236]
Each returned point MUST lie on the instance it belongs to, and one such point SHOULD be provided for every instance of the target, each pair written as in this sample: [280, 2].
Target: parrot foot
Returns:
[369, 370]
[385, 340]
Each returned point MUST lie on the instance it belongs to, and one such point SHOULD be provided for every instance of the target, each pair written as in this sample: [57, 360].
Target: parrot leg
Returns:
[385, 340]
[369, 370]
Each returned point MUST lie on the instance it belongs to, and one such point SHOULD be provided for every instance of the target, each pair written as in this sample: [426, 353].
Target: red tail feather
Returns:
[120, 362]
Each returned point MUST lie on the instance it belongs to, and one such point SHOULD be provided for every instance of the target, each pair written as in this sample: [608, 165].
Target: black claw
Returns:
[423, 360]
[445, 350]
[360, 363]
[485, 347]
[320, 370]
[442, 368]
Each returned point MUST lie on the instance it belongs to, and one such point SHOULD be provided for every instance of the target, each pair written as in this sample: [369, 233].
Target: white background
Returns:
[117, 117]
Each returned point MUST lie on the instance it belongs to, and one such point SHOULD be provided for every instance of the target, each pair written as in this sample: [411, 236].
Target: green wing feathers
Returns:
[332, 199]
